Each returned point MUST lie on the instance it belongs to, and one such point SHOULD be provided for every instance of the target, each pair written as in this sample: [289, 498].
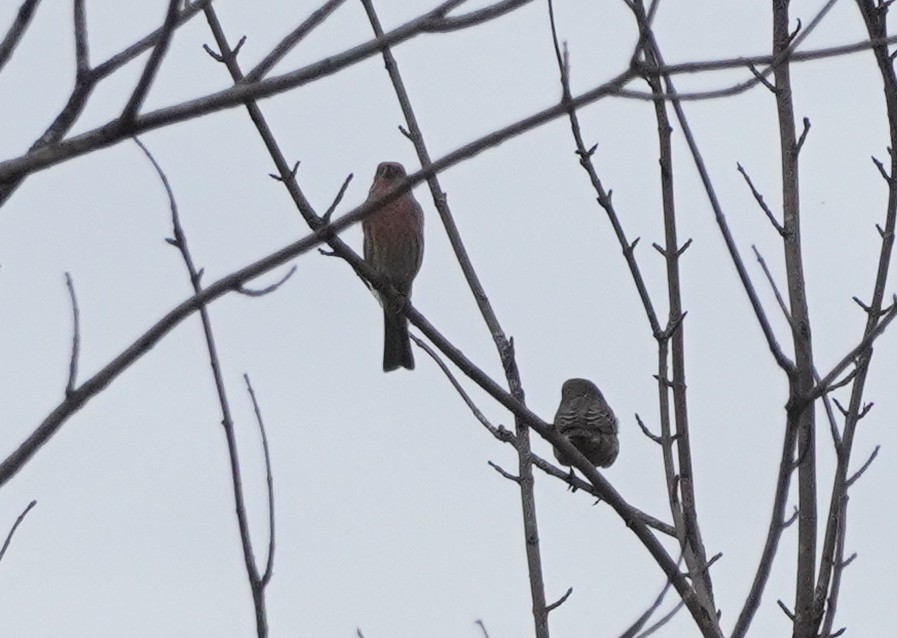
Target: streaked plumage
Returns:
[588, 422]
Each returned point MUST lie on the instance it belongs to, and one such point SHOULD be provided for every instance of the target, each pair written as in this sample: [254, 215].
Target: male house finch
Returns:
[585, 418]
[394, 247]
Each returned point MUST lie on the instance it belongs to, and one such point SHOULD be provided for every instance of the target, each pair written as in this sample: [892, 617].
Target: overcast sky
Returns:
[389, 518]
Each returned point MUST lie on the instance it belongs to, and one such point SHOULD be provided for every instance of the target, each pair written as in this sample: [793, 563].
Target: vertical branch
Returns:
[76, 337]
[828, 582]
[777, 519]
[693, 549]
[257, 583]
[685, 504]
[802, 418]
[505, 347]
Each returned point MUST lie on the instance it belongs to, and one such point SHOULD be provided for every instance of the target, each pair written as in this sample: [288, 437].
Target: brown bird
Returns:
[394, 247]
[587, 421]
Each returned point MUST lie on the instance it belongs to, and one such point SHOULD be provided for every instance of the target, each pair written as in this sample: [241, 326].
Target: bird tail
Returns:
[396, 342]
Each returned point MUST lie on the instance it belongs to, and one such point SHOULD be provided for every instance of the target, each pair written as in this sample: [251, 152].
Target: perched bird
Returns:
[587, 421]
[394, 247]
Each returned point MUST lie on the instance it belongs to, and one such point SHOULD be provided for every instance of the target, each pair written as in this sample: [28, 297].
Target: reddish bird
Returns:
[585, 418]
[394, 247]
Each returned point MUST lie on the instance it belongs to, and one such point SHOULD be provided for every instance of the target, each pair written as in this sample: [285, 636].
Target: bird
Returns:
[587, 421]
[394, 248]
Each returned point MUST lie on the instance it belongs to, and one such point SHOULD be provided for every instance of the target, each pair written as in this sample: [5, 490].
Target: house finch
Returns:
[587, 421]
[394, 247]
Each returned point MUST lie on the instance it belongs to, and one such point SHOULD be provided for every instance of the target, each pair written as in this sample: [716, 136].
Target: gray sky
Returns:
[388, 516]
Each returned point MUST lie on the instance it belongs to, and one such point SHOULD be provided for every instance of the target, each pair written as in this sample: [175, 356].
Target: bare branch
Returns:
[257, 583]
[292, 39]
[654, 606]
[15, 526]
[760, 77]
[16, 30]
[785, 609]
[856, 475]
[336, 200]
[261, 292]
[757, 196]
[803, 135]
[152, 65]
[662, 620]
[269, 563]
[870, 336]
[657, 439]
[507, 475]
[76, 337]
[560, 601]
[82, 53]
[500, 433]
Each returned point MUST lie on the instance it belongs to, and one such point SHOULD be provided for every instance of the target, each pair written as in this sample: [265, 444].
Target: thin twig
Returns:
[269, 563]
[152, 64]
[257, 583]
[662, 620]
[560, 601]
[500, 433]
[15, 526]
[635, 627]
[760, 201]
[336, 200]
[76, 337]
[292, 39]
[261, 292]
[829, 379]
[856, 475]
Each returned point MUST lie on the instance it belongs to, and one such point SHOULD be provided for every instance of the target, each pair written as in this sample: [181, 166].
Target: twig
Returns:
[152, 64]
[833, 426]
[482, 627]
[257, 583]
[760, 201]
[856, 475]
[560, 601]
[504, 473]
[336, 200]
[647, 432]
[871, 335]
[76, 337]
[269, 563]
[500, 433]
[261, 292]
[15, 526]
[292, 39]
[662, 620]
[635, 627]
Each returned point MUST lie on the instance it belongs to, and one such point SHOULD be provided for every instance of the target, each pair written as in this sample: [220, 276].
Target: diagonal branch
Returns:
[16, 31]
[286, 45]
[14, 527]
[152, 65]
